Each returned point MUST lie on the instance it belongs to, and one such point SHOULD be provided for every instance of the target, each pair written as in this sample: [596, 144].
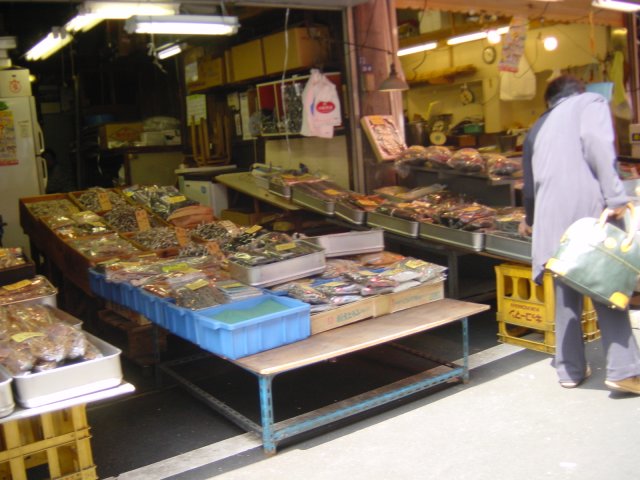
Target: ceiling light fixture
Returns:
[183, 24]
[417, 48]
[91, 13]
[470, 37]
[169, 50]
[393, 83]
[50, 44]
[550, 43]
[619, 5]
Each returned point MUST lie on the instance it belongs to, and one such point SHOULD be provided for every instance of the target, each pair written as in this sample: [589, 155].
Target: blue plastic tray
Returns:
[256, 334]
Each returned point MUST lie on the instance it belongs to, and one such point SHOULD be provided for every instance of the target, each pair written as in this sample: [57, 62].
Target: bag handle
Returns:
[631, 229]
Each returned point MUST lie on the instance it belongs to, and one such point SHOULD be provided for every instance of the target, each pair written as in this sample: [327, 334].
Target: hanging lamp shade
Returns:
[393, 83]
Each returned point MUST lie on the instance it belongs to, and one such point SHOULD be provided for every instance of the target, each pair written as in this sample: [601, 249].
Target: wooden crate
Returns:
[59, 439]
[135, 341]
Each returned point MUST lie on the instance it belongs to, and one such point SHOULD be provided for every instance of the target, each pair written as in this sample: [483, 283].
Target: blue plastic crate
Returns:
[104, 288]
[152, 306]
[255, 334]
[180, 321]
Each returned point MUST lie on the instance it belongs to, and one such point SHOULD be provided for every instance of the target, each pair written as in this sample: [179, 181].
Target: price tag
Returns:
[367, 203]
[129, 193]
[18, 285]
[367, 273]
[21, 337]
[143, 220]
[376, 120]
[97, 224]
[197, 284]
[3, 252]
[182, 236]
[285, 246]
[332, 284]
[108, 262]
[415, 263]
[254, 229]
[331, 191]
[178, 267]
[104, 201]
[176, 199]
[231, 285]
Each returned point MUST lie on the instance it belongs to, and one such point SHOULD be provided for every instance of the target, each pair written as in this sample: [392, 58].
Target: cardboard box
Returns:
[114, 135]
[211, 72]
[344, 315]
[247, 61]
[15, 83]
[413, 297]
[308, 47]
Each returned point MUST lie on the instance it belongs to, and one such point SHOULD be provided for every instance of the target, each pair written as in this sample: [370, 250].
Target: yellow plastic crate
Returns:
[526, 307]
[58, 439]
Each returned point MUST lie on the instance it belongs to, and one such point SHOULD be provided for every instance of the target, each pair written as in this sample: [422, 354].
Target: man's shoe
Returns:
[572, 384]
[629, 385]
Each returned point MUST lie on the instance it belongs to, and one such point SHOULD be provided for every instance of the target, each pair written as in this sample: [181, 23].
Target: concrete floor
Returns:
[512, 420]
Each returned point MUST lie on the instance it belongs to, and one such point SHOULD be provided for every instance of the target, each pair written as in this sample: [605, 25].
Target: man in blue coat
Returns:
[569, 173]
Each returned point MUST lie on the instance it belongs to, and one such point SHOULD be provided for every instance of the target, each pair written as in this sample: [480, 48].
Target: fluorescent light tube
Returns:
[470, 37]
[167, 51]
[50, 44]
[629, 6]
[417, 48]
[183, 24]
[92, 13]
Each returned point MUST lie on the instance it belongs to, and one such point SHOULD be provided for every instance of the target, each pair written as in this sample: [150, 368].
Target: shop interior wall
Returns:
[321, 155]
[573, 53]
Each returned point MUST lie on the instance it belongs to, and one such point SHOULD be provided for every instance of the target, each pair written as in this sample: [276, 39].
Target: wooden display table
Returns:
[244, 182]
[334, 343]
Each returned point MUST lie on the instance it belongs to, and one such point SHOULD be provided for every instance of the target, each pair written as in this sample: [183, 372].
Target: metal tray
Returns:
[508, 247]
[350, 243]
[49, 300]
[400, 226]
[353, 215]
[282, 190]
[7, 405]
[280, 272]
[36, 389]
[452, 236]
[301, 197]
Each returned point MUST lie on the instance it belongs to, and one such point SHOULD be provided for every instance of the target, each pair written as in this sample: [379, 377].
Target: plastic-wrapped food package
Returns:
[368, 203]
[399, 210]
[338, 300]
[307, 294]
[158, 238]
[11, 257]
[193, 249]
[195, 295]
[79, 224]
[123, 218]
[191, 216]
[271, 252]
[427, 271]
[467, 160]
[437, 156]
[420, 192]
[378, 259]
[162, 200]
[337, 287]
[32, 339]
[508, 219]
[501, 166]
[106, 246]
[91, 199]
[50, 208]
[473, 216]
[24, 290]
[414, 155]
[336, 267]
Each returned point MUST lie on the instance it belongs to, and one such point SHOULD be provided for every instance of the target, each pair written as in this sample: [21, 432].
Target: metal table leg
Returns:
[465, 350]
[266, 413]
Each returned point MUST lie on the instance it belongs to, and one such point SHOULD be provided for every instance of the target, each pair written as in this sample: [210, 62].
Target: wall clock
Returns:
[489, 55]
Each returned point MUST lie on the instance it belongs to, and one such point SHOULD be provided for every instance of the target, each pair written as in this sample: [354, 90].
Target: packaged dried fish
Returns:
[307, 294]
[437, 156]
[50, 208]
[193, 250]
[337, 288]
[195, 295]
[344, 299]
[335, 267]
[378, 259]
[501, 166]
[158, 238]
[99, 199]
[103, 247]
[232, 290]
[427, 271]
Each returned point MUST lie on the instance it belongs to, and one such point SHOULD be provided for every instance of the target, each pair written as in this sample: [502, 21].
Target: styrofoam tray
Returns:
[36, 389]
[353, 215]
[508, 247]
[393, 224]
[452, 236]
[279, 272]
[350, 243]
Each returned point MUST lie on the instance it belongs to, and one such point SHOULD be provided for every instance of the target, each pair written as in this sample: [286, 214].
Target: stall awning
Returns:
[570, 11]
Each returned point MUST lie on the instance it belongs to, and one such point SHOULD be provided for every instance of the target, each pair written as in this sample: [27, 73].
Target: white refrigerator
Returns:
[23, 172]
